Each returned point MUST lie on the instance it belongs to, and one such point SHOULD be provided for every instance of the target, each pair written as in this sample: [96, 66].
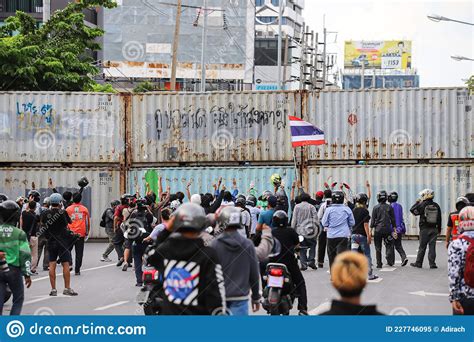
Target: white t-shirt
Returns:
[254, 212]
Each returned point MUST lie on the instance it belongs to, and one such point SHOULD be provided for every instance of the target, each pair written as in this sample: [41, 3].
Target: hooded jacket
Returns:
[418, 209]
[239, 264]
[193, 282]
[383, 219]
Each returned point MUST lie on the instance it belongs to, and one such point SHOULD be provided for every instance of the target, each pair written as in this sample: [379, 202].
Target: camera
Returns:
[83, 182]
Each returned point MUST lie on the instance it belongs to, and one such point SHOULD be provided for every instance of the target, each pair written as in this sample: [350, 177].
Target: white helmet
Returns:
[427, 194]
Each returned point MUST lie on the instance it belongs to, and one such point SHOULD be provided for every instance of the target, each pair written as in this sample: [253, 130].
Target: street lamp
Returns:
[461, 58]
[437, 18]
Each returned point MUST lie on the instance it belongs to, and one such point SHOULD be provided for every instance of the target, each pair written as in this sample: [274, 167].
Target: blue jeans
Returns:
[310, 245]
[238, 307]
[138, 249]
[14, 279]
[360, 241]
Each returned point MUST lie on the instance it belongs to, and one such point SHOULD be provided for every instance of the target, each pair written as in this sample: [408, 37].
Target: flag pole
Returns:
[296, 166]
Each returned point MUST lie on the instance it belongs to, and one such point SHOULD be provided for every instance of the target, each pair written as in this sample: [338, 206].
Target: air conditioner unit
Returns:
[271, 34]
[260, 33]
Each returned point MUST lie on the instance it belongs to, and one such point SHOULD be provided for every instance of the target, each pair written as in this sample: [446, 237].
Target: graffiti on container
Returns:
[231, 117]
[64, 125]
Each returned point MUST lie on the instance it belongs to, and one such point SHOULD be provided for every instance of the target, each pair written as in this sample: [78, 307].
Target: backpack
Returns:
[102, 220]
[431, 214]
[469, 263]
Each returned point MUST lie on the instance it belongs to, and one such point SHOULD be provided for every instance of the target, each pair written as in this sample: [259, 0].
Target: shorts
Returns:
[58, 251]
[127, 244]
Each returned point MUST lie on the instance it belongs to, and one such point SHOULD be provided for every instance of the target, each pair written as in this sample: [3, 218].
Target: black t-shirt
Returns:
[55, 222]
[288, 239]
[29, 223]
[361, 216]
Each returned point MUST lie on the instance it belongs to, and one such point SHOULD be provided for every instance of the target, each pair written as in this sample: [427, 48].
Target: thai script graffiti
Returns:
[33, 117]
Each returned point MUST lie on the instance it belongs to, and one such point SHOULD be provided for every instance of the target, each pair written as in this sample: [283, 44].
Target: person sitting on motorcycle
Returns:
[349, 277]
[15, 256]
[289, 240]
[239, 263]
[193, 280]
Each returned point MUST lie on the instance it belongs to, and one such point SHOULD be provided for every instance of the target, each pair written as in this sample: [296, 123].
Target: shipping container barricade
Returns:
[448, 181]
[55, 127]
[102, 189]
[397, 124]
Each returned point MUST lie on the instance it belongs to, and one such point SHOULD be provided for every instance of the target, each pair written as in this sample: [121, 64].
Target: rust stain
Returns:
[157, 65]
[134, 64]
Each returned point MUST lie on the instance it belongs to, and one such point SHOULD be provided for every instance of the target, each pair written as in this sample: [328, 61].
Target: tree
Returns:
[144, 87]
[56, 56]
[470, 85]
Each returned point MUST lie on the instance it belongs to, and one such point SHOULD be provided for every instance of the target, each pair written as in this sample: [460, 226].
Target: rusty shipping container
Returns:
[448, 181]
[212, 128]
[103, 187]
[55, 127]
[202, 178]
[396, 124]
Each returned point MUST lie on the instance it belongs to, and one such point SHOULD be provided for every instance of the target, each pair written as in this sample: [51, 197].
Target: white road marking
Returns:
[320, 309]
[85, 270]
[424, 294]
[388, 269]
[102, 308]
[43, 298]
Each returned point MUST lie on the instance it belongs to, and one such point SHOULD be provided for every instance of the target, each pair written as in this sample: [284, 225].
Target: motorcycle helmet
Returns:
[275, 179]
[47, 202]
[10, 212]
[252, 201]
[382, 196]
[114, 203]
[142, 204]
[36, 195]
[461, 203]
[190, 217]
[55, 199]
[266, 195]
[393, 197]
[229, 217]
[240, 202]
[362, 198]
[427, 194]
[280, 219]
[466, 218]
[83, 182]
[337, 197]
[3, 198]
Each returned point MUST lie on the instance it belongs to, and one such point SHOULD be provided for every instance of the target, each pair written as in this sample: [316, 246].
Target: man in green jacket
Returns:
[15, 256]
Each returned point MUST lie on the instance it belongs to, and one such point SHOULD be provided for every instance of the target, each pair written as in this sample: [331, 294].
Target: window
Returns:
[266, 52]
[275, 2]
[259, 2]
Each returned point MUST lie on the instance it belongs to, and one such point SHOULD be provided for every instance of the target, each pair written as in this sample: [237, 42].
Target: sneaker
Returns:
[303, 313]
[53, 292]
[373, 277]
[105, 259]
[379, 266]
[405, 262]
[139, 284]
[433, 267]
[303, 268]
[33, 272]
[78, 273]
[120, 262]
[415, 265]
[125, 267]
[45, 268]
[320, 264]
[69, 292]
[313, 265]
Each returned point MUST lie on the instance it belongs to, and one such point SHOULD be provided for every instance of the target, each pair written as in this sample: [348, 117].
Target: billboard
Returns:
[378, 54]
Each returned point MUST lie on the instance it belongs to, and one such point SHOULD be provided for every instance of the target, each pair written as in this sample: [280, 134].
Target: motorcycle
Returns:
[278, 295]
[150, 294]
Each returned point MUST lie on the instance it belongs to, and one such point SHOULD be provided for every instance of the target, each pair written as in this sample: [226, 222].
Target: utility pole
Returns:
[175, 46]
[285, 60]
[324, 58]
[362, 78]
[203, 49]
[303, 56]
[46, 10]
[280, 19]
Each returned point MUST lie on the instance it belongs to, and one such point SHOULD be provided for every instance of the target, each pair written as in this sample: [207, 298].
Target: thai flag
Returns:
[303, 133]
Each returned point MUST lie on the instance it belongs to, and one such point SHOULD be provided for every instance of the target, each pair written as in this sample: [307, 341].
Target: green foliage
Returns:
[144, 87]
[102, 88]
[470, 85]
[55, 56]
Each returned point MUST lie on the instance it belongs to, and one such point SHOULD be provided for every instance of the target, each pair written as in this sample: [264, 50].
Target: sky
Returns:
[433, 42]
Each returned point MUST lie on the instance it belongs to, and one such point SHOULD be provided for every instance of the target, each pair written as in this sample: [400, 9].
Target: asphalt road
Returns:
[106, 290]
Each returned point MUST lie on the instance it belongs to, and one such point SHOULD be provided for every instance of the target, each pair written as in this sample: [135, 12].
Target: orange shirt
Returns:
[80, 218]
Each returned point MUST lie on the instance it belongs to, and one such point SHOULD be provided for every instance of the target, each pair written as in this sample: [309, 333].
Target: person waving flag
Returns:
[303, 133]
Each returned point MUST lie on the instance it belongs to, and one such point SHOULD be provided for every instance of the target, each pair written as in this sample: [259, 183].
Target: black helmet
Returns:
[337, 197]
[240, 202]
[393, 197]
[142, 204]
[461, 203]
[3, 198]
[36, 195]
[83, 182]
[114, 203]
[229, 217]
[252, 201]
[190, 216]
[362, 198]
[280, 219]
[382, 196]
[10, 212]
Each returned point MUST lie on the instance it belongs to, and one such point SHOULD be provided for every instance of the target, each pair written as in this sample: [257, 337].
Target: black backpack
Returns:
[431, 214]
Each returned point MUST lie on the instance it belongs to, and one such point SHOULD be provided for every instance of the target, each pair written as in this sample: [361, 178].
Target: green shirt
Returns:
[14, 243]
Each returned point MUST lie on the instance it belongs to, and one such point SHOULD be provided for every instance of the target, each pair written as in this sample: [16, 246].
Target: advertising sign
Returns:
[379, 54]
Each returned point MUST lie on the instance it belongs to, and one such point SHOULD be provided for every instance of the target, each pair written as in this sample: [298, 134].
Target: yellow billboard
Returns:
[378, 54]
